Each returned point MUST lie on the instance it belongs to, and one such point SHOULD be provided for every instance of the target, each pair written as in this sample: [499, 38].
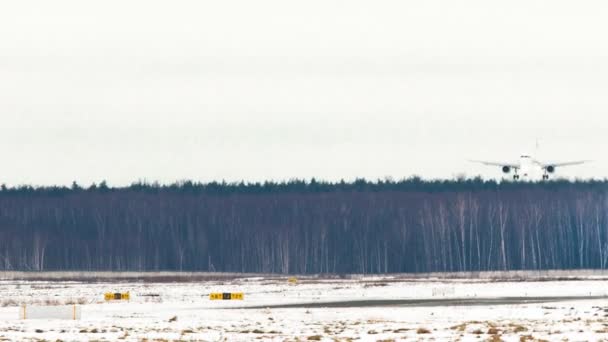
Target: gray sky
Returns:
[254, 90]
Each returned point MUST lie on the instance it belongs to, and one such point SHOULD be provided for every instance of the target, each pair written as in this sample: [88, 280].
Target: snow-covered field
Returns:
[183, 311]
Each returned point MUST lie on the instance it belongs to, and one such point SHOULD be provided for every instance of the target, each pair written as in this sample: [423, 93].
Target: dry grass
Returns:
[73, 301]
[9, 302]
[463, 326]
[423, 331]
[518, 328]
[495, 338]
[493, 331]
[459, 327]
[51, 302]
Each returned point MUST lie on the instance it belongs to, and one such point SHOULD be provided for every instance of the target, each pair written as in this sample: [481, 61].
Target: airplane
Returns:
[527, 165]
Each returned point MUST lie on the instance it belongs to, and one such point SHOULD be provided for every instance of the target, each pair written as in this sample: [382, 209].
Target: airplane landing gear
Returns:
[516, 177]
[545, 177]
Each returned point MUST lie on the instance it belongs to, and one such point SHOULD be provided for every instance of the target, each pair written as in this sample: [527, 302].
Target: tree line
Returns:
[299, 226]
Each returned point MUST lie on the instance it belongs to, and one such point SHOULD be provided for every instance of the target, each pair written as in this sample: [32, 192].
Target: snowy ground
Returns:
[183, 311]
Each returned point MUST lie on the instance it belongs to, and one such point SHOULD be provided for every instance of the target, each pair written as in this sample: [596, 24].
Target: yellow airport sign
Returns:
[227, 296]
[117, 296]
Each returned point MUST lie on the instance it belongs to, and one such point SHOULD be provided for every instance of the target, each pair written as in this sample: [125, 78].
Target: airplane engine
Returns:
[550, 169]
[506, 169]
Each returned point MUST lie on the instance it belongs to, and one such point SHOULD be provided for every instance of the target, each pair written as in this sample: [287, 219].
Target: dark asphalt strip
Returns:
[427, 302]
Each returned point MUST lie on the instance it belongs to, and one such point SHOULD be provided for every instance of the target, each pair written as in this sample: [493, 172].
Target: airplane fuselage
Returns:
[528, 168]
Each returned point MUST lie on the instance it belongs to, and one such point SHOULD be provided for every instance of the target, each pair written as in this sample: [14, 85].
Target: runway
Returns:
[439, 302]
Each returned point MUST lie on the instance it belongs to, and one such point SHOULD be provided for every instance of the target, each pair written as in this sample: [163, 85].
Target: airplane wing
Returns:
[578, 162]
[492, 163]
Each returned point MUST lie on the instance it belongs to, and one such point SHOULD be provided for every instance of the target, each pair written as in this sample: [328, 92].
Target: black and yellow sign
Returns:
[117, 296]
[226, 296]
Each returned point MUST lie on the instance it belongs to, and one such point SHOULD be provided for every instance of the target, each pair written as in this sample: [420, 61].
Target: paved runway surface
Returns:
[429, 302]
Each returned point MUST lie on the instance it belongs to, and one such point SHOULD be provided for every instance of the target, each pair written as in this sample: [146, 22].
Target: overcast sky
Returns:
[254, 90]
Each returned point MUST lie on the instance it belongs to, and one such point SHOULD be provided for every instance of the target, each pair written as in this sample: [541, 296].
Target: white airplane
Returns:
[527, 166]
